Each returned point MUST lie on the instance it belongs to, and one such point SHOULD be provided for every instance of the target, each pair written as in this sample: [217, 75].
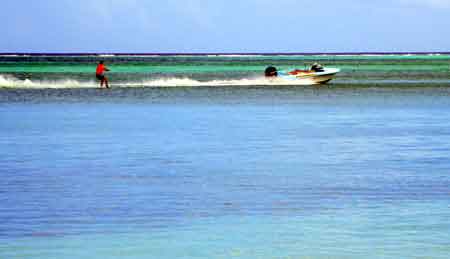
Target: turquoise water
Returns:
[354, 169]
[163, 71]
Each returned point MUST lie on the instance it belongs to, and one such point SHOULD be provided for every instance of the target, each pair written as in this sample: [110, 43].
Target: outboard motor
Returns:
[271, 71]
[316, 67]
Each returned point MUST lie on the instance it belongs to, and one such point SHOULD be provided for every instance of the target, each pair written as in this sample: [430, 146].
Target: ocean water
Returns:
[215, 70]
[201, 157]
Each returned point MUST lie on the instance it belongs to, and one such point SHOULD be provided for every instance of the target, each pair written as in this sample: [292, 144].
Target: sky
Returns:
[243, 26]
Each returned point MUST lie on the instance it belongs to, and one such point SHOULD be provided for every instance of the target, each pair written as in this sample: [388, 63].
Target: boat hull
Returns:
[311, 77]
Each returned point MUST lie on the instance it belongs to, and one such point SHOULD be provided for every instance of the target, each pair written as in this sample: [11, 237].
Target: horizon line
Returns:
[220, 53]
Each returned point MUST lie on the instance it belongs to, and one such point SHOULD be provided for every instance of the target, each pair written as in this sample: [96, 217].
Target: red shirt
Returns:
[100, 69]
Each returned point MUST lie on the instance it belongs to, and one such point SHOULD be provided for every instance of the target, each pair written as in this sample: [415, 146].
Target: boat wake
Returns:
[12, 82]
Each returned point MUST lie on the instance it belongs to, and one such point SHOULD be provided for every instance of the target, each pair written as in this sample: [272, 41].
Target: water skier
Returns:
[100, 74]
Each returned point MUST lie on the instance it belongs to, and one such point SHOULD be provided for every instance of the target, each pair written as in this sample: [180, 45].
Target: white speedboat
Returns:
[316, 75]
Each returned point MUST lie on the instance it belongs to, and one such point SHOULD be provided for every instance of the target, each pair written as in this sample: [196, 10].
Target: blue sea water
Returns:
[338, 171]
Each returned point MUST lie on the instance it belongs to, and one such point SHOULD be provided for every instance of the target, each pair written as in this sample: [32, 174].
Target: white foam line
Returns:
[11, 82]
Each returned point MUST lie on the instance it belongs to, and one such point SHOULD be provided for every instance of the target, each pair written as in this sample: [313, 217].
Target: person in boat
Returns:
[316, 67]
[100, 74]
[273, 72]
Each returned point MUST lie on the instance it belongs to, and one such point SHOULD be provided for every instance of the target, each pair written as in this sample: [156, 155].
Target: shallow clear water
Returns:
[357, 170]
